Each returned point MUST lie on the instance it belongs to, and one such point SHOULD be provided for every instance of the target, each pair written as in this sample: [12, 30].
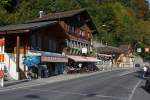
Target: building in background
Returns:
[126, 58]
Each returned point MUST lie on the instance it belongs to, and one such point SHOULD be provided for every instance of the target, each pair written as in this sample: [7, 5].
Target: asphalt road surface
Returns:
[114, 85]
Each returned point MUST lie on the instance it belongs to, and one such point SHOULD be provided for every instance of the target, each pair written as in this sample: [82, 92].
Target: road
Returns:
[114, 85]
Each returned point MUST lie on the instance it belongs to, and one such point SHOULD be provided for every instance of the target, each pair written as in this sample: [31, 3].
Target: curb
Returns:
[10, 83]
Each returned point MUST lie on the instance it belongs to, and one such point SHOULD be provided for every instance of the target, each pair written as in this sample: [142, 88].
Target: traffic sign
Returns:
[1, 57]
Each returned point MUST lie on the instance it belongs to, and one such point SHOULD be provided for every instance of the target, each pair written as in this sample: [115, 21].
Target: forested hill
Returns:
[117, 21]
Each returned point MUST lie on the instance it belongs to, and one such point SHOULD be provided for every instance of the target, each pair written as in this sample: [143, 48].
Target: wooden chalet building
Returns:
[48, 42]
[40, 42]
[79, 27]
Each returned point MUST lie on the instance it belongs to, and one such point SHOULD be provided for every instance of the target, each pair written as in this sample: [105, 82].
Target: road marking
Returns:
[126, 73]
[134, 89]
[82, 94]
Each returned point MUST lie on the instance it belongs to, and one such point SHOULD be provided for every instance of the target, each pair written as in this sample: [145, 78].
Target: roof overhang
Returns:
[24, 28]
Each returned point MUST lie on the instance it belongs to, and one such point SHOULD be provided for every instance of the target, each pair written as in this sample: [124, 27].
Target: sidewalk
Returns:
[12, 85]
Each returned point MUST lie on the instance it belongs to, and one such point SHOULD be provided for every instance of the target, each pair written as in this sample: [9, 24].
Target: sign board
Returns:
[53, 59]
[147, 49]
[1, 58]
[139, 50]
[84, 50]
[2, 44]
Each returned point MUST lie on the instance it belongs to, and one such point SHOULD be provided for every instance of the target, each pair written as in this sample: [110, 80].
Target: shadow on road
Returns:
[33, 96]
[143, 87]
[139, 74]
[91, 95]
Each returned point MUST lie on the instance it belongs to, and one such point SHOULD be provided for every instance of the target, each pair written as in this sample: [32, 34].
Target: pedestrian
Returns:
[145, 68]
[29, 75]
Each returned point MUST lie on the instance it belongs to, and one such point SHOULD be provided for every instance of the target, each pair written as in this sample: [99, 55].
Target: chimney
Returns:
[41, 14]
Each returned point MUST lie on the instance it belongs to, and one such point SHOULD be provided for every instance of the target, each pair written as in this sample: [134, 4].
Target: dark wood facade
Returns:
[47, 39]
[79, 27]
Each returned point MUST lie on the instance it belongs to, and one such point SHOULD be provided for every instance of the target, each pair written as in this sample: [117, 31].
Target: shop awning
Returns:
[48, 56]
[82, 58]
[92, 59]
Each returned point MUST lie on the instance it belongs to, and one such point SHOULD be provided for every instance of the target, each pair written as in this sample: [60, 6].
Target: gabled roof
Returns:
[58, 15]
[24, 27]
[109, 50]
[125, 48]
[66, 14]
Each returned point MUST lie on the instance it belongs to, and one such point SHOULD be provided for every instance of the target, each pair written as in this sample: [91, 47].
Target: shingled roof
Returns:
[109, 50]
[125, 48]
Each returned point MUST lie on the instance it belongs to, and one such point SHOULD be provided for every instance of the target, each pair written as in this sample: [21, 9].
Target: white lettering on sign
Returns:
[84, 50]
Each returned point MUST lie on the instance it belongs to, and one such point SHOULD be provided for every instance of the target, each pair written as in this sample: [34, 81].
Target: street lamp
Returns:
[113, 57]
[104, 25]
[132, 59]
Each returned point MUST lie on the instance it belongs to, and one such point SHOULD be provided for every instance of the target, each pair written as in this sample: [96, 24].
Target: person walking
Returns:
[145, 68]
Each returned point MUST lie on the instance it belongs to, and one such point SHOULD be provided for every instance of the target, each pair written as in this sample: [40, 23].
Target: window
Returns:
[74, 44]
[83, 33]
[78, 17]
[33, 41]
[54, 46]
[39, 40]
[72, 29]
[78, 46]
[69, 43]
[50, 45]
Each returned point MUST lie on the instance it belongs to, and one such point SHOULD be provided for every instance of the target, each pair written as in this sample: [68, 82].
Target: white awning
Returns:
[82, 58]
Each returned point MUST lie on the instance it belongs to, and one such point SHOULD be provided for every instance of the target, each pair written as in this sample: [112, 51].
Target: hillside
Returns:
[118, 21]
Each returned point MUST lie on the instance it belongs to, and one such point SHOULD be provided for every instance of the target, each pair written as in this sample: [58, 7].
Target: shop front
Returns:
[82, 63]
[55, 64]
[45, 64]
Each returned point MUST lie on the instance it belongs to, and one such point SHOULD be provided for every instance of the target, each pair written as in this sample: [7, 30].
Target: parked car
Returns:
[137, 65]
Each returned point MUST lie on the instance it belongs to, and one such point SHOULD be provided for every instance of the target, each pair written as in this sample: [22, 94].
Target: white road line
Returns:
[126, 73]
[133, 91]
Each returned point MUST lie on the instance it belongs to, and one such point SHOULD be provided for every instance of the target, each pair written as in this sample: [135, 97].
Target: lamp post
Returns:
[134, 51]
[104, 25]
[113, 56]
